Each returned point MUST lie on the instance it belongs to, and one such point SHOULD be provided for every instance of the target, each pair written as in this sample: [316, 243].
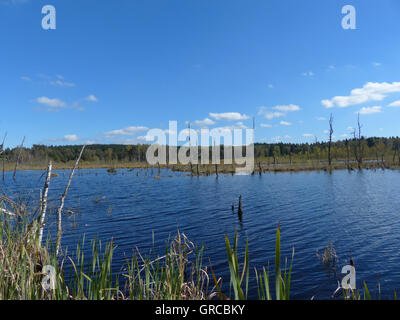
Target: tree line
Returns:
[356, 149]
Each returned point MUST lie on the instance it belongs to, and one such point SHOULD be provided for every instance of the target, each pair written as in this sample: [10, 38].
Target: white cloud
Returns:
[71, 137]
[370, 110]
[287, 108]
[395, 104]
[266, 125]
[13, 2]
[67, 138]
[371, 91]
[203, 123]
[376, 64]
[60, 83]
[270, 86]
[128, 131]
[92, 98]
[308, 135]
[54, 103]
[321, 119]
[228, 116]
[285, 123]
[282, 111]
[276, 114]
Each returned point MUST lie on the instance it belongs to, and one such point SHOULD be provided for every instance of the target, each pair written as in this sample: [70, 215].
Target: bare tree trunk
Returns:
[348, 154]
[18, 158]
[4, 169]
[360, 147]
[59, 212]
[330, 139]
[43, 204]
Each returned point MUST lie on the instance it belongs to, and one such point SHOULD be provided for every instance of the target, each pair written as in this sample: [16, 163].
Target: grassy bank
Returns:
[179, 274]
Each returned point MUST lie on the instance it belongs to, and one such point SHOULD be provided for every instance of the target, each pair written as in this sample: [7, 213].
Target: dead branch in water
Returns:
[59, 212]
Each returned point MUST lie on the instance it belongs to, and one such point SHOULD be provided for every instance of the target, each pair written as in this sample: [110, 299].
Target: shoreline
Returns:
[210, 169]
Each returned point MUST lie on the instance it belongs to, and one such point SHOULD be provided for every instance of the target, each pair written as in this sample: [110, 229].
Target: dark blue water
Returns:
[358, 212]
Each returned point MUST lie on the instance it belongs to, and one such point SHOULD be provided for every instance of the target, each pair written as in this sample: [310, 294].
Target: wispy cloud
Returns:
[275, 114]
[92, 98]
[371, 91]
[277, 111]
[204, 123]
[128, 131]
[321, 119]
[370, 110]
[308, 135]
[53, 103]
[229, 116]
[266, 125]
[67, 138]
[395, 104]
[60, 83]
[13, 2]
[287, 108]
[285, 123]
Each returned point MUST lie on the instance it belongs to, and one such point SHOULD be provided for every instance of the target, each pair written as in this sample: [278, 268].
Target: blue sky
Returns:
[112, 69]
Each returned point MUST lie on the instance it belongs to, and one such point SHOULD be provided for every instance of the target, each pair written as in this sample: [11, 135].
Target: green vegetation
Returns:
[178, 275]
[353, 153]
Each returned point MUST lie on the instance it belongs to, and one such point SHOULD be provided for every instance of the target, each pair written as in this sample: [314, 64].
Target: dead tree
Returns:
[4, 156]
[43, 204]
[359, 147]
[60, 209]
[330, 139]
[18, 158]
[348, 153]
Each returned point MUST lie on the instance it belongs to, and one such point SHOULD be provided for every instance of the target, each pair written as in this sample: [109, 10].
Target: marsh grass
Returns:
[178, 274]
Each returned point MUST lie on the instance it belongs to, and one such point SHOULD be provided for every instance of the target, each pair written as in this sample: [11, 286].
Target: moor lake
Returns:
[357, 212]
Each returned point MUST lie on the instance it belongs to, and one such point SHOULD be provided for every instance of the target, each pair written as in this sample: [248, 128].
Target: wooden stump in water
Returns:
[240, 212]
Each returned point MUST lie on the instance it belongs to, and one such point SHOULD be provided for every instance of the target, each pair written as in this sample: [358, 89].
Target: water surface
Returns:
[358, 212]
